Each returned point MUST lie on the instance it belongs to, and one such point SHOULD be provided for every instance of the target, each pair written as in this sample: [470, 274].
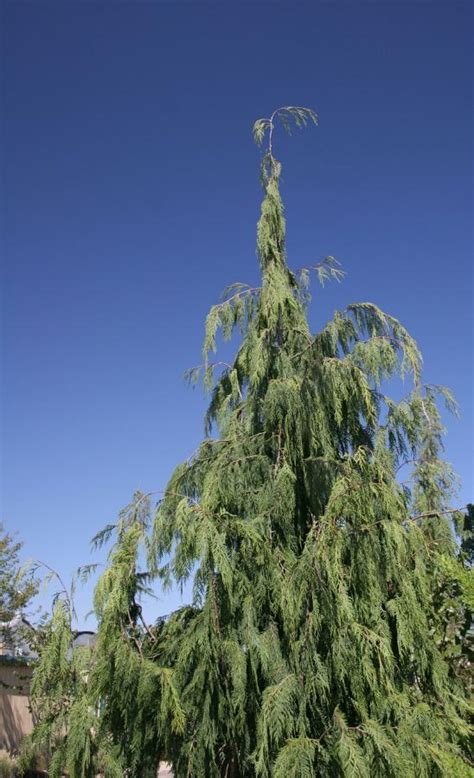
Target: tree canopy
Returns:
[328, 629]
[17, 585]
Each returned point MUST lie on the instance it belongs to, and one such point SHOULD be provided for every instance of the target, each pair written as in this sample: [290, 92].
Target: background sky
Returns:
[131, 196]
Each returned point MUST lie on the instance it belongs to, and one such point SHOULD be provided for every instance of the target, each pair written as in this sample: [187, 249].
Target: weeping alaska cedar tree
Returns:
[314, 642]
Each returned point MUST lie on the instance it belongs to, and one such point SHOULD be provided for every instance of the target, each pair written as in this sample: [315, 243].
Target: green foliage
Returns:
[17, 589]
[17, 586]
[61, 706]
[453, 602]
[84, 699]
[8, 767]
[300, 116]
[323, 584]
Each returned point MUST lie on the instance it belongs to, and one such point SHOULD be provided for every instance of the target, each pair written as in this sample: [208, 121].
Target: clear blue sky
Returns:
[132, 195]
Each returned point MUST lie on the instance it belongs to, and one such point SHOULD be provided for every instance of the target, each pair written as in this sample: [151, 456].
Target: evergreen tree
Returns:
[313, 645]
